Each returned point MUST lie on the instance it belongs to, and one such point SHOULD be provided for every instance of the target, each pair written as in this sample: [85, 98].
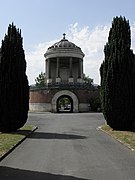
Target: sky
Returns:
[85, 22]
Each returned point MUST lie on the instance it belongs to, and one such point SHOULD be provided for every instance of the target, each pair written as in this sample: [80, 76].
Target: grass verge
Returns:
[9, 140]
[125, 137]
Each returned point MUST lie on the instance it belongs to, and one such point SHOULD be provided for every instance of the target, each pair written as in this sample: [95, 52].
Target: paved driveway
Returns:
[68, 147]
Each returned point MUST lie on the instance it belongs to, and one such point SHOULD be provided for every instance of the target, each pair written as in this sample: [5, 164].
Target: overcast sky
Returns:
[85, 22]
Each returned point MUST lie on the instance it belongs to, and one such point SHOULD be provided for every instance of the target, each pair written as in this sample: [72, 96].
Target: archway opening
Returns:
[64, 104]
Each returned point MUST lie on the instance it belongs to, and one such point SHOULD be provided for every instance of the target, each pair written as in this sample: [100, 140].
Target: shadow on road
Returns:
[42, 135]
[8, 173]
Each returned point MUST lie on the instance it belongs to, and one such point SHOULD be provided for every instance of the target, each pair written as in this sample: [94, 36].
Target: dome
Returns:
[64, 48]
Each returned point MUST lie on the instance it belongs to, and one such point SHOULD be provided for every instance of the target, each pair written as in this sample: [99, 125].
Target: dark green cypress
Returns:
[14, 88]
[117, 77]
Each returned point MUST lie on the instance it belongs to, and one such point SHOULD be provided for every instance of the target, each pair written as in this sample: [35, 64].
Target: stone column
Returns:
[57, 68]
[49, 68]
[79, 69]
[70, 79]
[49, 80]
[70, 67]
[79, 80]
[58, 79]
[46, 70]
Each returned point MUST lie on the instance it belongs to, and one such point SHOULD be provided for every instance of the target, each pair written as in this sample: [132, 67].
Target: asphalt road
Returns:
[68, 147]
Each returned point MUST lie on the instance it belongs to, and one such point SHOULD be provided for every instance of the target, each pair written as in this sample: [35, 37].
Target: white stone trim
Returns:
[58, 80]
[64, 53]
[49, 81]
[40, 107]
[70, 80]
[68, 93]
[84, 107]
[80, 80]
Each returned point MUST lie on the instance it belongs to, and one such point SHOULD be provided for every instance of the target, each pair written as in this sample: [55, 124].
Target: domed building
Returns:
[64, 63]
[65, 89]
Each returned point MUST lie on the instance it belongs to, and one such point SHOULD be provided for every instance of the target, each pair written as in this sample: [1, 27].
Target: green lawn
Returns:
[125, 137]
[9, 140]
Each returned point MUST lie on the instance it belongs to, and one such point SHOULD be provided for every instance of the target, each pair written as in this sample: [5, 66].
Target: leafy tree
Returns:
[95, 104]
[87, 79]
[118, 77]
[14, 89]
[40, 80]
[64, 101]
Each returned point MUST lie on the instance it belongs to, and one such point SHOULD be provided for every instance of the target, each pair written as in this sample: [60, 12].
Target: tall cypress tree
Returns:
[14, 88]
[118, 77]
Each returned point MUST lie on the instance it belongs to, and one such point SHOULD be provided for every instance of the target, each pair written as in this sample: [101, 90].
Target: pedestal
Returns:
[49, 81]
[80, 80]
[70, 80]
[58, 80]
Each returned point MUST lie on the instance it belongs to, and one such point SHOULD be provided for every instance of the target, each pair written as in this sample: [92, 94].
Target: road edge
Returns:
[125, 144]
[17, 144]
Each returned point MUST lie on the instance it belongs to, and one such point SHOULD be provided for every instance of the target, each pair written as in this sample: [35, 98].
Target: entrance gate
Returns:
[65, 93]
[65, 104]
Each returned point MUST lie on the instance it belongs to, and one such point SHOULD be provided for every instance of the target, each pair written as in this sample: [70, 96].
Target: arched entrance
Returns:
[65, 104]
[67, 94]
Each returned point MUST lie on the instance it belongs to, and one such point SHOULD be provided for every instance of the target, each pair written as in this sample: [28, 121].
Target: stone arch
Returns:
[65, 93]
